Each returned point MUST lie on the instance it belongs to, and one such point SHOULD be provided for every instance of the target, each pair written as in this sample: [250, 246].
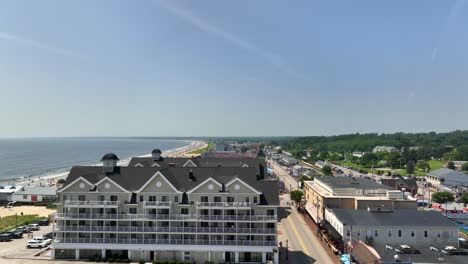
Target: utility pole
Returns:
[287, 249]
[16, 220]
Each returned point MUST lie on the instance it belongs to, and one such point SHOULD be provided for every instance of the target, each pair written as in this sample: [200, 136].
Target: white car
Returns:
[36, 244]
[42, 239]
[34, 226]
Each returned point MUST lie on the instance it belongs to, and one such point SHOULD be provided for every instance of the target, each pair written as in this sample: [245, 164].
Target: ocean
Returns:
[38, 157]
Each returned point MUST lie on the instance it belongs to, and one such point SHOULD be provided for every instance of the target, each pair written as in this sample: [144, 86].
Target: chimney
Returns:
[191, 176]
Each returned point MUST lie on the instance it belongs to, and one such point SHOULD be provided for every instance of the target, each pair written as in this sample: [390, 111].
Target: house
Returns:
[459, 164]
[409, 184]
[6, 192]
[32, 194]
[447, 177]
[384, 149]
[350, 193]
[358, 154]
[177, 213]
[320, 164]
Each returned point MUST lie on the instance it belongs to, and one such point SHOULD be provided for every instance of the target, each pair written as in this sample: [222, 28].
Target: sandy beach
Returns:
[26, 210]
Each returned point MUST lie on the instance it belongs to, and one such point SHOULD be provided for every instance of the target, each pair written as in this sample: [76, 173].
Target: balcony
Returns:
[157, 204]
[91, 204]
[179, 217]
[269, 243]
[196, 230]
[223, 205]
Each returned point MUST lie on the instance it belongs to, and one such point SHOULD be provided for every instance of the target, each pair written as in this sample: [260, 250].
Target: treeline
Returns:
[450, 146]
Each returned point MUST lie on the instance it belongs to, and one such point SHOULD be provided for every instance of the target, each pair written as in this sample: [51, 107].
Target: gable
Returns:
[108, 185]
[207, 186]
[238, 186]
[78, 185]
[139, 165]
[158, 183]
[189, 163]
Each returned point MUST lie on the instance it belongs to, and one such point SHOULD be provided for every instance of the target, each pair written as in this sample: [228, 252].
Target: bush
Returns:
[118, 260]
[172, 262]
[110, 260]
[141, 261]
[104, 260]
[98, 259]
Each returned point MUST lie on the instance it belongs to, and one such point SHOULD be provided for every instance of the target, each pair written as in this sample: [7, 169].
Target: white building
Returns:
[35, 194]
[186, 213]
[384, 149]
[6, 192]
[419, 229]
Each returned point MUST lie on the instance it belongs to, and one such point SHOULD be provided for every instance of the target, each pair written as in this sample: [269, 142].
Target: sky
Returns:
[232, 68]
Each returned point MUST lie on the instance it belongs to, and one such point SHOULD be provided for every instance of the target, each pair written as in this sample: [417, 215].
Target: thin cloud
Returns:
[39, 45]
[203, 25]
[451, 19]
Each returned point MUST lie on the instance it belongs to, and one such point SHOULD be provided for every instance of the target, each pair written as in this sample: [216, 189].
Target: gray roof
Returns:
[427, 256]
[451, 177]
[351, 182]
[37, 190]
[200, 162]
[133, 178]
[393, 218]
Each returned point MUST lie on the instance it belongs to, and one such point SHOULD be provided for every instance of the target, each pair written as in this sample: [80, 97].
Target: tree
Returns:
[327, 170]
[279, 151]
[296, 196]
[451, 165]
[369, 159]
[243, 149]
[304, 178]
[60, 181]
[465, 166]
[410, 167]
[424, 166]
[461, 153]
[443, 198]
[464, 198]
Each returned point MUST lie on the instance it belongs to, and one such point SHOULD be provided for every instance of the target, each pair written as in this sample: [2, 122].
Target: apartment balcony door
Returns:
[229, 257]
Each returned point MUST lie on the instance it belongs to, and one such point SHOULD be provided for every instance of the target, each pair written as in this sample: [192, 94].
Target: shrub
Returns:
[141, 261]
[126, 260]
[172, 262]
[110, 260]
[104, 260]
[118, 260]
[98, 259]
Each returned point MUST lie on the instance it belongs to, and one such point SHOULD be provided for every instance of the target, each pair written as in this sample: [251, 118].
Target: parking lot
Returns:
[16, 248]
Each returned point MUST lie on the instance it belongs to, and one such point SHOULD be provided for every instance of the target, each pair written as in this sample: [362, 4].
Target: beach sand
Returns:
[26, 210]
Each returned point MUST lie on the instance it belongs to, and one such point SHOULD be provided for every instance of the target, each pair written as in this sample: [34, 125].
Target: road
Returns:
[303, 245]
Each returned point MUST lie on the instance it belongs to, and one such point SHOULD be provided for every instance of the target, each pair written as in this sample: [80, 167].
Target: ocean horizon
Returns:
[41, 157]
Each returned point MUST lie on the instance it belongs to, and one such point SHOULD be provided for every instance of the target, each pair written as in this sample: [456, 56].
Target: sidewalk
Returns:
[311, 224]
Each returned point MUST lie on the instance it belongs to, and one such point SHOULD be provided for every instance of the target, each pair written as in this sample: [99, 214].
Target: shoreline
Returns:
[50, 179]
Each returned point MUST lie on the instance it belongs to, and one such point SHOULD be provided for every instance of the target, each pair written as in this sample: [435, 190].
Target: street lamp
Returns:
[286, 249]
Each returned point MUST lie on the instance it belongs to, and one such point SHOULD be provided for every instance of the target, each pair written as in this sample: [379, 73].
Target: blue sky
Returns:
[232, 68]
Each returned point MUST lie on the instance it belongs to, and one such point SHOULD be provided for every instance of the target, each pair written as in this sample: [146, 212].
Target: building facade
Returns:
[350, 193]
[197, 214]
[419, 229]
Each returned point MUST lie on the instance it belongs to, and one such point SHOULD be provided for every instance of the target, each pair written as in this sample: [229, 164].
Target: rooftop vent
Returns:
[171, 164]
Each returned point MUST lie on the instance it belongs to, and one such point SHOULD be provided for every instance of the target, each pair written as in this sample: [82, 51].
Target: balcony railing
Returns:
[168, 241]
[224, 205]
[112, 204]
[165, 229]
[157, 204]
[70, 216]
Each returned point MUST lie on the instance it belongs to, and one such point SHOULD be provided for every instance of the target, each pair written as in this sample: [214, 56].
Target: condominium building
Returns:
[191, 213]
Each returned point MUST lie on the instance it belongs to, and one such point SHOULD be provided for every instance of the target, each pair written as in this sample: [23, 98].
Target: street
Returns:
[302, 242]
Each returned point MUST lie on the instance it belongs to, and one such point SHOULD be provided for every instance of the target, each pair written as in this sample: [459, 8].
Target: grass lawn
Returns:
[8, 222]
[435, 164]
[354, 165]
[201, 150]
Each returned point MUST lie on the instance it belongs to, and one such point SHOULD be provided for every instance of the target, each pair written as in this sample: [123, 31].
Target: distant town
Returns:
[345, 199]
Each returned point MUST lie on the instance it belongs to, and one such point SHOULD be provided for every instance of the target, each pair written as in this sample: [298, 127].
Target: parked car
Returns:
[42, 239]
[5, 237]
[25, 229]
[406, 249]
[15, 233]
[449, 250]
[43, 222]
[49, 235]
[34, 227]
[36, 244]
